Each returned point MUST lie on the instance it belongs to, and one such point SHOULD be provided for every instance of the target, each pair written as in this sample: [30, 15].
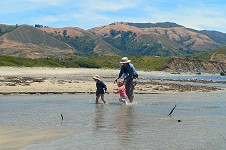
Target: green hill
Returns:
[6, 29]
[147, 63]
[27, 41]
[153, 25]
[28, 34]
[141, 63]
[218, 55]
[218, 37]
[121, 38]
[161, 39]
[83, 42]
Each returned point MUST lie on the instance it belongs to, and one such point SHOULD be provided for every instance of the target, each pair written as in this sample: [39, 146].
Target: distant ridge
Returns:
[28, 34]
[217, 36]
[161, 39]
[6, 28]
[119, 38]
[153, 25]
[27, 41]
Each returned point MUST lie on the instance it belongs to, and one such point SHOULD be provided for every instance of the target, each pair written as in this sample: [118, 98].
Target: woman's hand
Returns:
[116, 79]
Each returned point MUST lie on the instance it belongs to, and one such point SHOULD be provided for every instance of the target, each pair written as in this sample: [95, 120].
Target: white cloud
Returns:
[12, 6]
[200, 17]
[22, 6]
[48, 19]
[47, 2]
[96, 13]
[205, 14]
[89, 20]
[103, 5]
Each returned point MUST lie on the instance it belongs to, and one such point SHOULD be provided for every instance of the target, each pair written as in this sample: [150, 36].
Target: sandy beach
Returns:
[42, 80]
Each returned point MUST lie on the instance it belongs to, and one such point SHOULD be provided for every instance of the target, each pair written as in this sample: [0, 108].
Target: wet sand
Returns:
[25, 80]
[14, 137]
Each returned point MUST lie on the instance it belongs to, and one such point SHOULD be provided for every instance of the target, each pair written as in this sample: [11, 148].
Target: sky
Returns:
[86, 14]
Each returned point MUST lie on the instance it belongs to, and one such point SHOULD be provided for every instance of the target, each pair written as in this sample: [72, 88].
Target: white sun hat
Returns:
[125, 60]
[97, 77]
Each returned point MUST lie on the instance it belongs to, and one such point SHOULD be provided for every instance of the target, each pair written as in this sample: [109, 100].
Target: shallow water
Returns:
[142, 125]
[185, 77]
[214, 78]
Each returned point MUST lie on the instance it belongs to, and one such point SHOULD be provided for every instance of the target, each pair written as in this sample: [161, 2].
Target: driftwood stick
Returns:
[172, 110]
[62, 117]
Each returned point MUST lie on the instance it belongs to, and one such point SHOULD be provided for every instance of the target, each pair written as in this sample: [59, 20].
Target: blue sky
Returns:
[86, 14]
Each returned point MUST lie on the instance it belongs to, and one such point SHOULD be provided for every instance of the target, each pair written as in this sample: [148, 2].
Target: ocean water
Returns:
[186, 77]
[142, 125]
[216, 79]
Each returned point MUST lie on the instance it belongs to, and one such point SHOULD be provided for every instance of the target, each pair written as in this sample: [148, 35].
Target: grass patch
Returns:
[140, 62]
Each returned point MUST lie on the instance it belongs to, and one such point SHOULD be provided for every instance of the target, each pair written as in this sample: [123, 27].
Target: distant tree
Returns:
[113, 33]
[38, 26]
[64, 33]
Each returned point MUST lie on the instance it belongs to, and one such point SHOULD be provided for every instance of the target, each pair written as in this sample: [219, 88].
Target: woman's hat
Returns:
[97, 77]
[125, 60]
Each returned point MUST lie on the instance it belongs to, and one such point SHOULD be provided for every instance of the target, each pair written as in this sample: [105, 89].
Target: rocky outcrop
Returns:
[194, 66]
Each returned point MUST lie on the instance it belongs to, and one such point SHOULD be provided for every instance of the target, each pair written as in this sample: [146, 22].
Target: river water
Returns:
[197, 122]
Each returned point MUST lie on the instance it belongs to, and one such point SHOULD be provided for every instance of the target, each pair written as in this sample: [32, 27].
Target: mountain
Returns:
[120, 38]
[217, 36]
[84, 42]
[153, 25]
[6, 28]
[27, 41]
[162, 39]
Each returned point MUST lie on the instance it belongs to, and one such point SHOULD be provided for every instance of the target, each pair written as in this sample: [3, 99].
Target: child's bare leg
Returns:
[97, 97]
[121, 99]
[102, 98]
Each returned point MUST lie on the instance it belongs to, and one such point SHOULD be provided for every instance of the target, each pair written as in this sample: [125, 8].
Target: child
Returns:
[101, 88]
[122, 92]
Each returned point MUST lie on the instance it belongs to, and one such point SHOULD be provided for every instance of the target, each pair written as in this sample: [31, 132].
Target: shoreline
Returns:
[44, 80]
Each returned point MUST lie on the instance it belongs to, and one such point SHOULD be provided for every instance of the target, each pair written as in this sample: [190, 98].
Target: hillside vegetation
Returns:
[120, 38]
[84, 43]
[141, 63]
[145, 63]
[218, 55]
[160, 46]
[162, 39]
[6, 29]
[29, 42]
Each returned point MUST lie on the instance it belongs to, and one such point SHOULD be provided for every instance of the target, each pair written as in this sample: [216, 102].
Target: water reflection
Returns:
[126, 123]
[99, 117]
